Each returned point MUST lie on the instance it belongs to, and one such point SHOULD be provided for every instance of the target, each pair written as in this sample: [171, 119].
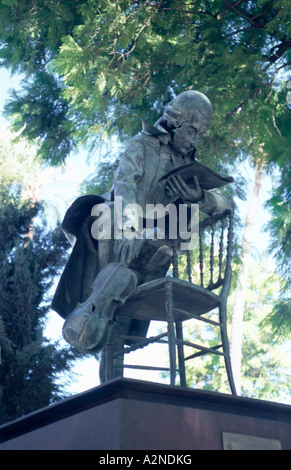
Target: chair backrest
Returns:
[209, 264]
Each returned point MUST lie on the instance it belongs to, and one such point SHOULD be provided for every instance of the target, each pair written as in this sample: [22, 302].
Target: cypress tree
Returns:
[30, 257]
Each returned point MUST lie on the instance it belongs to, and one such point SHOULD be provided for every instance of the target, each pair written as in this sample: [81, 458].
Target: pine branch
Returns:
[282, 48]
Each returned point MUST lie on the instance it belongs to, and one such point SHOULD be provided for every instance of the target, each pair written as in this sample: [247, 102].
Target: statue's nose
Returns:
[195, 142]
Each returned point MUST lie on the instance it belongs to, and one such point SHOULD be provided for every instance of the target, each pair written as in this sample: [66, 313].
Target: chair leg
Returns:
[171, 331]
[225, 346]
[112, 367]
[181, 358]
[106, 364]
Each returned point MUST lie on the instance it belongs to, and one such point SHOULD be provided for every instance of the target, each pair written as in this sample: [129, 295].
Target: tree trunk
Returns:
[240, 291]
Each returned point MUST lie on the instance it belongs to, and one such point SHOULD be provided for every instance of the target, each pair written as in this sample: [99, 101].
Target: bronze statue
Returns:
[102, 273]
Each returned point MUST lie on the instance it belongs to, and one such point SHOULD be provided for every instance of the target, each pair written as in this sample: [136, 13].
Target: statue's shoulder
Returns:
[145, 140]
[150, 137]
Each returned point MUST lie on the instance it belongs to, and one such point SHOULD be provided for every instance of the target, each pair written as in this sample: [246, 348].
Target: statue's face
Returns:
[187, 137]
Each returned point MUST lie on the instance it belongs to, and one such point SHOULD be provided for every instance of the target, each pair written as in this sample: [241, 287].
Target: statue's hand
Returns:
[176, 186]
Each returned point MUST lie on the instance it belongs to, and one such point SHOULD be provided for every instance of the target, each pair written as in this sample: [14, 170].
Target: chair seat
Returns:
[147, 302]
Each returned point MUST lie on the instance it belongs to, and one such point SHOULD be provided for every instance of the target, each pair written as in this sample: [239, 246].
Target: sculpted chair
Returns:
[198, 284]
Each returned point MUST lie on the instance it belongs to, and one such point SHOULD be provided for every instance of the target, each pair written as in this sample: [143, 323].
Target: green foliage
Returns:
[117, 62]
[279, 226]
[280, 318]
[102, 181]
[30, 258]
[280, 230]
[40, 114]
[265, 364]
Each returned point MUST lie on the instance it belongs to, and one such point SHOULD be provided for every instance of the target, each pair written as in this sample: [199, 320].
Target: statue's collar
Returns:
[156, 131]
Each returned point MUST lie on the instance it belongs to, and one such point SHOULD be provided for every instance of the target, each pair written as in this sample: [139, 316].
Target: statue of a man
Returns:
[101, 274]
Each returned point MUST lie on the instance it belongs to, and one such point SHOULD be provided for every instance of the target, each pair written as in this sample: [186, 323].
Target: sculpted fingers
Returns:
[177, 185]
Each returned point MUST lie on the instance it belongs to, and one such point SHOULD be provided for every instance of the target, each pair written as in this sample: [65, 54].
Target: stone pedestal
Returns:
[126, 414]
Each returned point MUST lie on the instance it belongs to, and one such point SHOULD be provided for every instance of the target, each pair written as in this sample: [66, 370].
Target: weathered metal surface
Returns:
[148, 300]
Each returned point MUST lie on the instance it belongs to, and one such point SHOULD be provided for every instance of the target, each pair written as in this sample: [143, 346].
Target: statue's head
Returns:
[188, 116]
